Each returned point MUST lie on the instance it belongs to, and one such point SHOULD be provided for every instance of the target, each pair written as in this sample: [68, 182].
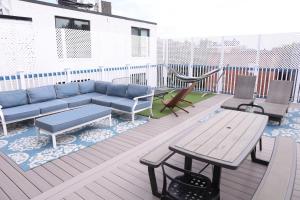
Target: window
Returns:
[73, 38]
[140, 42]
[70, 23]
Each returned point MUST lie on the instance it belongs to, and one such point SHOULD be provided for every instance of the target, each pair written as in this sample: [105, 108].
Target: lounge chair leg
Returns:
[163, 109]
[173, 112]
[132, 117]
[182, 109]
[188, 102]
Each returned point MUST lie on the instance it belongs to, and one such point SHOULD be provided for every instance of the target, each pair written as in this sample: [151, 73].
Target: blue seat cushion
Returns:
[80, 100]
[71, 118]
[67, 90]
[20, 112]
[41, 94]
[105, 100]
[127, 105]
[93, 94]
[13, 98]
[101, 86]
[118, 90]
[86, 87]
[137, 90]
[51, 106]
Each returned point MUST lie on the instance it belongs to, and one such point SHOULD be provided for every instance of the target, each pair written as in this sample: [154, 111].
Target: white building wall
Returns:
[110, 38]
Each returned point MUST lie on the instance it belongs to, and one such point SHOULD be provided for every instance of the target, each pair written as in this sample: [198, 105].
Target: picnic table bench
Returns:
[277, 182]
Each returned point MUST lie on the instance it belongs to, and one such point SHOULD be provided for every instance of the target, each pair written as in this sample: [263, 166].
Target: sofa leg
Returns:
[151, 113]
[4, 128]
[110, 122]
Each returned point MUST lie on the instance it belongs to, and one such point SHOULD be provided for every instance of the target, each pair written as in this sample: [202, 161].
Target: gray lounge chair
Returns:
[243, 93]
[278, 99]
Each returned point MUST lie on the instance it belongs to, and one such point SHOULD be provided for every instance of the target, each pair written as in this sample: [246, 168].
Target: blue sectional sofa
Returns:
[19, 105]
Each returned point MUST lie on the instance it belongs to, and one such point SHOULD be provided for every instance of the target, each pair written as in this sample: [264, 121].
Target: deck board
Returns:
[122, 176]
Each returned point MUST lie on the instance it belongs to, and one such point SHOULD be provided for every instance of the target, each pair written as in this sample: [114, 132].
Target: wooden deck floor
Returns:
[111, 170]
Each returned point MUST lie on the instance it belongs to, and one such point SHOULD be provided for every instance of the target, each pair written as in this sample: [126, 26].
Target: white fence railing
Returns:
[157, 76]
[143, 75]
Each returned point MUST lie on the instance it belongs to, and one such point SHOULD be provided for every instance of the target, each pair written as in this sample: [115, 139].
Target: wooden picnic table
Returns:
[225, 140]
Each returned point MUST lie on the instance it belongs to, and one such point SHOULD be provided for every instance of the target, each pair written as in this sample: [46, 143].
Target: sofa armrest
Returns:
[136, 99]
[144, 96]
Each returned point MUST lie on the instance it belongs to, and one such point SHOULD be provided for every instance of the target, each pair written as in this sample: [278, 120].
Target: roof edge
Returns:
[88, 11]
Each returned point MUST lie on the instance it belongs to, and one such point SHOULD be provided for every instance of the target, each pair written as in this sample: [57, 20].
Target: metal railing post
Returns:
[220, 73]
[68, 75]
[297, 89]
[166, 63]
[21, 83]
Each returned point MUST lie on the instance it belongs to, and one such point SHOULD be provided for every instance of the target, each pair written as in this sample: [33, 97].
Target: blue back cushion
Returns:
[101, 86]
[87, 87]
[137, 90]
[66, 90]
[40, 94]
[13, 98]
[118, 90]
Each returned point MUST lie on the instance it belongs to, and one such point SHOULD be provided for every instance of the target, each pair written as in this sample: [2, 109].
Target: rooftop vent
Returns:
[106, 7]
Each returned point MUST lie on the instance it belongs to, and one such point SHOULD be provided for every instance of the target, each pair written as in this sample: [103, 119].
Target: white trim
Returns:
[53, 135]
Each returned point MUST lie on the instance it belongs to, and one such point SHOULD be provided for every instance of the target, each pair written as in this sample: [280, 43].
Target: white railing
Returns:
[157, 76]
[143, 75]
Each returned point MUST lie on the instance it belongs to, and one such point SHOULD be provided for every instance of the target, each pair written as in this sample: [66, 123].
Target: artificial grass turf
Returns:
[158, 105]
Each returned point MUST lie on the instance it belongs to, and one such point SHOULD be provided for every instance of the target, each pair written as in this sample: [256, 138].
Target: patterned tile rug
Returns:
[290, 125]
[22, 147]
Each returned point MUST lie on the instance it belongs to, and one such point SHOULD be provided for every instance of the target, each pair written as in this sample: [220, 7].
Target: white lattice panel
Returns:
[179, 51]
[207, 51]
[73, 43]
[240, 51]
[280, 50]
[17, 46]
[160, 51]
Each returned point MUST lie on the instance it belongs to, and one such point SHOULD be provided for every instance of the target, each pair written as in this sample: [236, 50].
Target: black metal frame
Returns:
[216, 179]
[211, 191]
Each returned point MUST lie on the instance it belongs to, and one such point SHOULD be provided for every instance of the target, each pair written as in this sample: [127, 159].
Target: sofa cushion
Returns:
[105, 100]
[51, 106]
[137, 90]
[20, 112]
[93, 94]
[80, 100]
[66, 90]
[71, 118]
[86, 86]
[41, 94]
[13, 98]
[118, 90]
[101, 86]
[127, 105]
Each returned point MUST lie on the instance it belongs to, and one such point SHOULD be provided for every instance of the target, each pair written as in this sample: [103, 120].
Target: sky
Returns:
[197, 18]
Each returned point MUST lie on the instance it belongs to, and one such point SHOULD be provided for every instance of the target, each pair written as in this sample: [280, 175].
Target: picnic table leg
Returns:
[188, 163]
[216, 180]
[153, 182]
[256, 160]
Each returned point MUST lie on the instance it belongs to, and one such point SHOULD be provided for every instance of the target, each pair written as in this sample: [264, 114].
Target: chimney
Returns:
[106, 7]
